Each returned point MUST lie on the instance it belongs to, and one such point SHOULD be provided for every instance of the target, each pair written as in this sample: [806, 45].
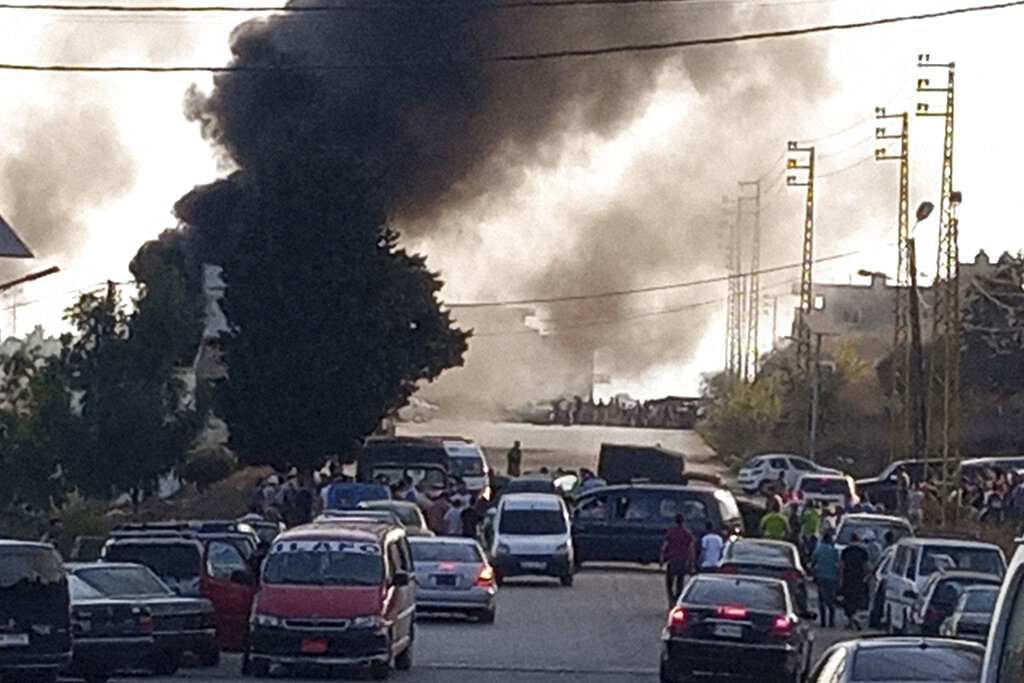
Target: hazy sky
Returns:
[90, 165]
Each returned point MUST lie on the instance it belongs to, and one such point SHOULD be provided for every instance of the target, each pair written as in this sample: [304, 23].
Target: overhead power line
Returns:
[630, 48]
[646, 290]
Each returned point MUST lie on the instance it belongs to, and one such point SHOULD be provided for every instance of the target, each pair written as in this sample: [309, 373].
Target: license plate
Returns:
[444, 580]
[534, 565]
[13, 639]
[314, 646]
[728, 631]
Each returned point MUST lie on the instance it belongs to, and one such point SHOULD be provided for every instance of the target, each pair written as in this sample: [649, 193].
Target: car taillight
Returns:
[728, 569]
[782, 627]
[447, 566]
[731, 611]
[145, 623]
[677, 620]
[792, 575]
[485, 577]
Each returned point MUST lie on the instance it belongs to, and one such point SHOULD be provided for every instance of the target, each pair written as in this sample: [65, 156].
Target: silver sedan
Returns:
[453, 575]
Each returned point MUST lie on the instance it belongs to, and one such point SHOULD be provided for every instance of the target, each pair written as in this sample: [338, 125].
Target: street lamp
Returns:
[919, 419]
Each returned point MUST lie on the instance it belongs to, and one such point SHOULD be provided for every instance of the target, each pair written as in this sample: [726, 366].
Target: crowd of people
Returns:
[662, 413]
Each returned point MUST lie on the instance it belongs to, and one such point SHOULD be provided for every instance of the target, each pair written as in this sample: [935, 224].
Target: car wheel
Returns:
[667, 676]
[380, 672]
[209, 657]
[166, 663]
[566, 580]
[487, 615]
[97, 677]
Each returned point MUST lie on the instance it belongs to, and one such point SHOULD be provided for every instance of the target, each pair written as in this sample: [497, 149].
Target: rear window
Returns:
[530, 485]
[933, 664]
[324, 563]
[758, 596]
[120, 582]
[445, 552]
[466, 466]
[169, 561]
[948, 591]
[967, 559]
[530, 522]
[30, 565]
[828, 486]
[80, 590]
[877, 529]
[981, 601]
[759, 552]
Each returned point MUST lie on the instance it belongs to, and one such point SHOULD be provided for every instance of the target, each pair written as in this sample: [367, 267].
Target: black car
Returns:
[180, 624]
[884, 487]
[737, 625]
[109, 635]
[35, 612]
[627, 523]
[900, 660]
[763, 557]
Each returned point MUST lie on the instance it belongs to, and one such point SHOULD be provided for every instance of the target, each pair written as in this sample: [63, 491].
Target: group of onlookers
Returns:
[682, 554]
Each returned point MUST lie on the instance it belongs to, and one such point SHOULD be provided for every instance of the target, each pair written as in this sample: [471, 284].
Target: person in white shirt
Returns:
[453, 518]
[710, 548]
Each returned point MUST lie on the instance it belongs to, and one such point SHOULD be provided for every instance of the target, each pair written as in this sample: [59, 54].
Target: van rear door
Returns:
[230, 584]
[35, 621]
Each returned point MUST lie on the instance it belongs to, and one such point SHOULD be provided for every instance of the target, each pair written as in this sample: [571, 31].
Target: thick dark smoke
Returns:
[407, 90]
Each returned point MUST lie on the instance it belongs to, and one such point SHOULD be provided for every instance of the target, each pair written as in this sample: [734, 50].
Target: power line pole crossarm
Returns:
[803, 332]
[753, 279]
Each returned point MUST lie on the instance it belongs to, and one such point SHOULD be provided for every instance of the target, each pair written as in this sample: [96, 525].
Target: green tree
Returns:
[332, 324]
[741, 416]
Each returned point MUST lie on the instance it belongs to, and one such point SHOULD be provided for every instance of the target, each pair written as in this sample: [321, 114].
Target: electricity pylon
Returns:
[753, 204]
[944, 408]
[803, 333]
[901, 408]
[734, 305]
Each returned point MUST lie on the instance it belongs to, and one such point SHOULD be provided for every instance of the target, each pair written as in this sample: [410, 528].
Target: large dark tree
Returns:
[332, 324]
[993, 358]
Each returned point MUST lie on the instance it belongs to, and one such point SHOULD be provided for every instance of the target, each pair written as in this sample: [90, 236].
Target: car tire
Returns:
[209, 657]
[566, 580]
[166, 663]
[97, 677]
[666, 676]
[380, 672]
[487, 616]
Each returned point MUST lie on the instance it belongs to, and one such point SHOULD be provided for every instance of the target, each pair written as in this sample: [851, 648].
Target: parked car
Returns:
[335, 595]
[531, 535]
[861, 522]
[974, 467]
[181, 625]
[763, 470]
[738, 625]
[386, 515]
[764, 557]
[466, 460]
[35, 612]
[1004, 656]
[109, 635]
[266, 530]
[900, 660]
[826, 489]
[209, 568]
[972, 614]
[409, 515]
[627, 523]
[939, 596]
[883, 488]
[918, 558]
[453, 575]
[876, 588]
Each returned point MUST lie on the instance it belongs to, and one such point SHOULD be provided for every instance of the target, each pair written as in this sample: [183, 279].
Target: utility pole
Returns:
[753, 278]
[918, 405]
[815, 398]
[734, 305]
[900, 407]
[944, 409]
[803, 332]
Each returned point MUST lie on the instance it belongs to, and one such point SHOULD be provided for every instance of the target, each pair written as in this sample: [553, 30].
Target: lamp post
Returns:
[919, 409]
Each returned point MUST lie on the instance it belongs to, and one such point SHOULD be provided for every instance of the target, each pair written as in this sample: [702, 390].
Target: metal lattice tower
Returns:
[807, 255]
[750, 367]
[944, 387]
[901, 408]
[734, 305]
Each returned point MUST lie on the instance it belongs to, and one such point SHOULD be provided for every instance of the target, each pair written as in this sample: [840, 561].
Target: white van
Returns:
[827, 489]
[1004, 653]
[531, 535]
[916, 559]
[467, 461]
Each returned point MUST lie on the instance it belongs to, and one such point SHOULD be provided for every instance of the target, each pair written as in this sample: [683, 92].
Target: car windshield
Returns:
[981, 560]
[421, 477]
[981, 600]
[829, 486]
[878, 529]
[122, 582]
[755, 595]
[466, 465]
[539, 522]
[912, 663]
[754, 462]
[746, 551]
[445, 552]
[324, 563]
[80, 590]
[168, 560]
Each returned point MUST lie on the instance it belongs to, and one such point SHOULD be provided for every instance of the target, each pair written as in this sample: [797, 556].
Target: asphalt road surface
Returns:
[605, 628]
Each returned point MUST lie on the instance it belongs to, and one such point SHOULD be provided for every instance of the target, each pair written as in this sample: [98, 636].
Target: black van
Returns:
[35, 614]
[627, 523]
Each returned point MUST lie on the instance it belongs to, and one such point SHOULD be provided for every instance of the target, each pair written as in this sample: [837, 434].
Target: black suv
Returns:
[627, 523]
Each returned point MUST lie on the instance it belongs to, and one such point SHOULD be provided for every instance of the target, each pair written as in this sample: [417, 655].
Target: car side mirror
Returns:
[401, 580]
[245, 577]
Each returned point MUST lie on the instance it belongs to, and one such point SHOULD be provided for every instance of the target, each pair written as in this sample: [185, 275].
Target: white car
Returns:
[916, 559]
[532, 535]
[827, 489]
[417, 410]
[763, 470]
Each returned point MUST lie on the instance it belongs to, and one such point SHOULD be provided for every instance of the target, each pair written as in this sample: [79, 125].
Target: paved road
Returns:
[604, 629]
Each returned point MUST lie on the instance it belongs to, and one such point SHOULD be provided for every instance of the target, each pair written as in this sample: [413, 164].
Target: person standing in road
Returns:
[853, 583]
[676, 557]
[774, 525]
[453, 518]
[810, 521]
[514, 460]
[711, 545]
[825, 561]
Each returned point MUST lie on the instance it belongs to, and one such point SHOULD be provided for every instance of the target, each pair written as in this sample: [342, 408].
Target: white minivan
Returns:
[531, 535]
[467, 462]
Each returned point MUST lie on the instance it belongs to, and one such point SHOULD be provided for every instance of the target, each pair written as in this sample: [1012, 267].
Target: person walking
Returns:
[810, 521]
[711, 545]
[825, 561]
[514, 460]
[774, 524]
[676, 557]
[453, 518]
[853, 582]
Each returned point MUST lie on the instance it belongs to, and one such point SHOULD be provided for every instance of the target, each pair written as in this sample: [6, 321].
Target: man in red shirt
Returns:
[677, 556]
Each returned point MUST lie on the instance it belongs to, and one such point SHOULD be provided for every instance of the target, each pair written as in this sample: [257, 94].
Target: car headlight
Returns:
[503, 549]
[270, 620]
[367, 621]
[562, 549]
